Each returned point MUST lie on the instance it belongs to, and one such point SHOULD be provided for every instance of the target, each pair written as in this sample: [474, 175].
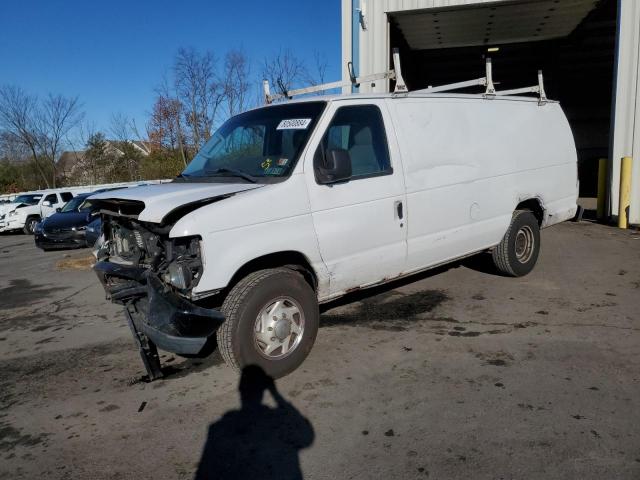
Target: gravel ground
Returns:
[458, 373]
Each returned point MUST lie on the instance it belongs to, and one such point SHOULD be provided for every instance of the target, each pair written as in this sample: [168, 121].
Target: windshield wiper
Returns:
[233, 172]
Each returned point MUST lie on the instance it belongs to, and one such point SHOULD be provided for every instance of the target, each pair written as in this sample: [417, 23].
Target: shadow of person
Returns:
[256, 442]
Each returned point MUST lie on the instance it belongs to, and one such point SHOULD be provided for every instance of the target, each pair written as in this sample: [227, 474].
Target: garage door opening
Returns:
[572, 41]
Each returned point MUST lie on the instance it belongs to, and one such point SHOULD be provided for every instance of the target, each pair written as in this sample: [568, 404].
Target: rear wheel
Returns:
[30, 225]
[517, 253]
[271, 320]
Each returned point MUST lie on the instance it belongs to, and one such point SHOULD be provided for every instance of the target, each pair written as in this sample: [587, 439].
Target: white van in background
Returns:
[298, 203]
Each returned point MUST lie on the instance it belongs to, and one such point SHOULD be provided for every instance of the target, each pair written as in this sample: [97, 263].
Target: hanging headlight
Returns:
[179, 275]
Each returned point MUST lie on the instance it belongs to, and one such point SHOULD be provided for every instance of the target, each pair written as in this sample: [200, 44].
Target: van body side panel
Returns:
[361, 239]
[469, 162]
[238, 229]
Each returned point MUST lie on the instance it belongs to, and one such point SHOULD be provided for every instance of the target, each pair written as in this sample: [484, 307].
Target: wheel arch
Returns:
[287, 258]
[535, 206]
[32, 216]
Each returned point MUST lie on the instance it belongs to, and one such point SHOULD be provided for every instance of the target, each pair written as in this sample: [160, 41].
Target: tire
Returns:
[29, 225]
[517, 253]
[240, 336]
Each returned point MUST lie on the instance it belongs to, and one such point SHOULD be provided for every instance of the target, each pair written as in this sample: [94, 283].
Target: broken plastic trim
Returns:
[175, 324]
[170, 321]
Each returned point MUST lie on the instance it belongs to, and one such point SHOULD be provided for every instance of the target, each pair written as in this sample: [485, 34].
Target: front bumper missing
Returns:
[175, 324]
[157, 316]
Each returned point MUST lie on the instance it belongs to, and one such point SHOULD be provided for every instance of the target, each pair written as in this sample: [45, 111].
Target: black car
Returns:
[68, 227]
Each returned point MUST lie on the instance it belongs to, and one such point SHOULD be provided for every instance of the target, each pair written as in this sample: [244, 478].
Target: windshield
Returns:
[28, 199]
[77, 204]
[257, 145]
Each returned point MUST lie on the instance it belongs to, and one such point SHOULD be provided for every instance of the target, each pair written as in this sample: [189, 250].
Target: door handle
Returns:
[399, 210]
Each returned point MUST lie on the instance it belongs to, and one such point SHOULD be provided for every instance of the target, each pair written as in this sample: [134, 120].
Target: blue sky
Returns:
[112, 54]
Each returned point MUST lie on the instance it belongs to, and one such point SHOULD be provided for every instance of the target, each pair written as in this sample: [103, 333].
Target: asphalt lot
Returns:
[456, 374]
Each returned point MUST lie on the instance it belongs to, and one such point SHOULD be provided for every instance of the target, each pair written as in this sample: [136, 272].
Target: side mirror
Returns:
[335, 168]
[58, 209]
[46, 203]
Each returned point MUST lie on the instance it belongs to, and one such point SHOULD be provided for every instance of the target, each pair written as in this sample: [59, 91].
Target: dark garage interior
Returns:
[577, 67]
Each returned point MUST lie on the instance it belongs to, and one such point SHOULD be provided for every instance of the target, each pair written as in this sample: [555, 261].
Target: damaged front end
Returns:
[153, 276]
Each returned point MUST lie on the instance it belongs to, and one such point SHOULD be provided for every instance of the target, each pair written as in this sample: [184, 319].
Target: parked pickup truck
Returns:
[27, 209]
[298, 203]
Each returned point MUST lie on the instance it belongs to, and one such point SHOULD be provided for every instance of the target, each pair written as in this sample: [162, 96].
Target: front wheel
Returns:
[30, 225]
[271, 320]
[517, 253]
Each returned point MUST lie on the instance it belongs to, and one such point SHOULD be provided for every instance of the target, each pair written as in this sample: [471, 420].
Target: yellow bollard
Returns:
[625, 192]
[602, 187]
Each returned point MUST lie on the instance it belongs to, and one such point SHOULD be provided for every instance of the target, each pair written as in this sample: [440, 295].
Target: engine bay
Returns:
[177, 262]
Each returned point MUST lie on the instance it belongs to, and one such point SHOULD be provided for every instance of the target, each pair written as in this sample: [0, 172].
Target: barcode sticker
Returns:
[294, 124]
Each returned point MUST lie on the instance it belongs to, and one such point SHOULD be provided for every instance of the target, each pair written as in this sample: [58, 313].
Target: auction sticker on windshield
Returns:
[294, 124]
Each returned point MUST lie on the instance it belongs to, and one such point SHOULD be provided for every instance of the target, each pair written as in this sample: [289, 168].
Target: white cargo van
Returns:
[294, 204]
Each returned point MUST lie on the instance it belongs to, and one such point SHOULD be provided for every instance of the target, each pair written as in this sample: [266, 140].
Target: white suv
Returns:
[27, 209]
[295, 204]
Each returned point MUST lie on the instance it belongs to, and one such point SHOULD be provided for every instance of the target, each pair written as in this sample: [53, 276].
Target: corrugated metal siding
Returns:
[626, 138]
[491, 25]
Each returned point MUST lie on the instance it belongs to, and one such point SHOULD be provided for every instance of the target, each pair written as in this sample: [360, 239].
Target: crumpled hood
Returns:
[160, 200]
[9, 207]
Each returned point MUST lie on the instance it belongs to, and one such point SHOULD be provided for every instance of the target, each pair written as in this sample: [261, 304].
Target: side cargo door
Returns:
[360, 223]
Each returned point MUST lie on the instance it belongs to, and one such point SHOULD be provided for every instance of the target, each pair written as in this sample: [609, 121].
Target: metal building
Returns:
[588, 50]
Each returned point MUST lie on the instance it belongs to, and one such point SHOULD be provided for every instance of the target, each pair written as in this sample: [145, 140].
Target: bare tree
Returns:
[284, 71]
[12, 149]
[41, 126]
[197, 89]
[319, 73]
[123, 129]
[74, 165]
[56, 116]
[17, 117]
[120, 127]
[236, 85]
[165, 129]
[14, 159]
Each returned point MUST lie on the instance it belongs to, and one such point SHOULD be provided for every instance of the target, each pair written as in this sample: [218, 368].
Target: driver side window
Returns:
[360, 131]
[51, 198]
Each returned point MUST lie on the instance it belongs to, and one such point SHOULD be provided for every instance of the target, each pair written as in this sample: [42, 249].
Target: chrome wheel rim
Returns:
[279, 328]
[524, 244]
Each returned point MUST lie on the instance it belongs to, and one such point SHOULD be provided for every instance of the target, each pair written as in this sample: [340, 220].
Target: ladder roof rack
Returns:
[401, 87]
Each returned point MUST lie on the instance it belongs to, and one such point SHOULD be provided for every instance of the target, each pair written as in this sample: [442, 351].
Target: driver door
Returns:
[360, 223]
[48, 205]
